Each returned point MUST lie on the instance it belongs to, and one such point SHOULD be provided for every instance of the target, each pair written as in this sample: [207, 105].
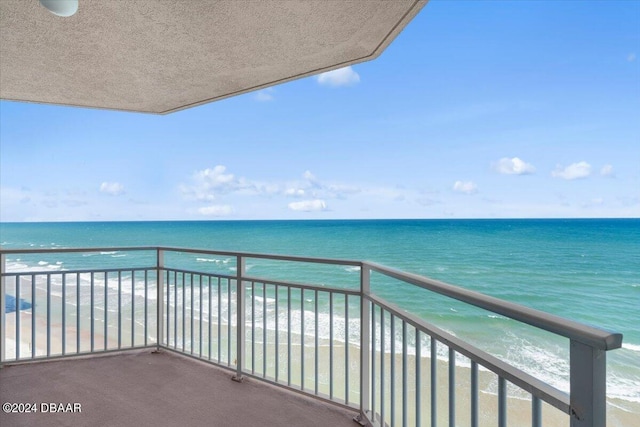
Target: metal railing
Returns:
[342, 342]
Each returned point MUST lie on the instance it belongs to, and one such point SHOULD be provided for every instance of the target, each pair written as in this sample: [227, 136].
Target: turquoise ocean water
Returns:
[585, 270]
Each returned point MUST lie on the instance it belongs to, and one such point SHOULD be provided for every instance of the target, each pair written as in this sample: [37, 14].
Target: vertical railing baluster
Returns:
[200, 317]
[119, 309]
[183, 282]
[536, 412]
[133, 308]
[240, 319]
[392, 369]
[434, 382]
[175, 310]
[77, 312]
[301, 339]
[49, 315]
[474, 394]
[219, 322]
[191, 339]
[64, 314]
[160, 290]
[346, 349]
[382, 365]
[452, 387]
[405, 375]
[166, 275]
[160, 282]
[277, 335]
[253, 327]
[264, 330]
[288, 335]
[502, 402]
[106, 305]
[210, 316]
[33, 314]
[374, 343]
[315, 355]
[365, 342]
[92, 311]
[228, 322]
[331, 345]
[18, 316]
[418, 378]
[146, 301]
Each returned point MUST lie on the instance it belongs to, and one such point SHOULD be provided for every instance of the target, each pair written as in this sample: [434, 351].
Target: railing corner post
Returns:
[240, 321]
[365, 341]
[588, 385]
[159, 298]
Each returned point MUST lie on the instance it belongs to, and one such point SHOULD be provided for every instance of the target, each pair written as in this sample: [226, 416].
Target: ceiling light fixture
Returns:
[64, 8]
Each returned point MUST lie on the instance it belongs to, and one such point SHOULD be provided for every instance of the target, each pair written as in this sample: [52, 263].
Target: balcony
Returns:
[175, 324]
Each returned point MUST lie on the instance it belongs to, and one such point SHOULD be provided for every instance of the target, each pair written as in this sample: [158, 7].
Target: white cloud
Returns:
[308, 205]
[265, 94]
[215, 210]
[112, 188]
[467, 187]
[513, 166]
[607, 170]
[209, 183]
[573, 171]
[631, 57]
[340, 77]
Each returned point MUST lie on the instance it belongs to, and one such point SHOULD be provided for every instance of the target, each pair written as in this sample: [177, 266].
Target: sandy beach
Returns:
[620, 414]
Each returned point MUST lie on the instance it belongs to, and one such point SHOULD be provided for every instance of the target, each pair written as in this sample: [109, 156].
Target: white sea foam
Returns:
[42, 263]
[632, 347]
[109, 253]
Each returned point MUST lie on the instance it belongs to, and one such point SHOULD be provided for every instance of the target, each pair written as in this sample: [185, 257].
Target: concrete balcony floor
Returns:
[163, 389]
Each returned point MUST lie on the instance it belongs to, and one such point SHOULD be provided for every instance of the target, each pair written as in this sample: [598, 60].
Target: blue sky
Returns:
[487, 109]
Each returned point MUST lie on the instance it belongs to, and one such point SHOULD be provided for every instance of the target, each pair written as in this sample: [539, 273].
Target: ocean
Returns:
[586, 270]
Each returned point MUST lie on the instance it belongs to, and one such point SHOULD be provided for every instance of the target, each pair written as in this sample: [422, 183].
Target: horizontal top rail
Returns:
[591, 336]
[75, 250]
[525, 381]
[314, 260]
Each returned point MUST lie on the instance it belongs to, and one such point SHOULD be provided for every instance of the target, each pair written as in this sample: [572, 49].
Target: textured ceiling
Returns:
[160, 56]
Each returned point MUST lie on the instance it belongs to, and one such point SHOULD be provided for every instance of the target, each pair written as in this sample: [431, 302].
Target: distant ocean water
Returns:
[586, 270]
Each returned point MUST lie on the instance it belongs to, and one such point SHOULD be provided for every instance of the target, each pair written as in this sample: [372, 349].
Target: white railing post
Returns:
[365, 343]
[240, 321]
[588, 386]
[3, 289]
[159, 299]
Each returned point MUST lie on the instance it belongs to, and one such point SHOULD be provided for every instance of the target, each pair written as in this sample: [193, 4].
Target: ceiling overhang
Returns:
[161, 56]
